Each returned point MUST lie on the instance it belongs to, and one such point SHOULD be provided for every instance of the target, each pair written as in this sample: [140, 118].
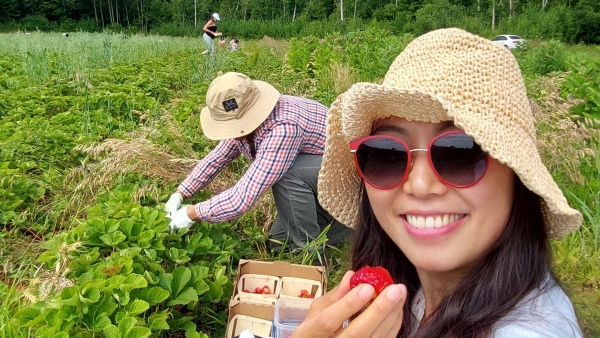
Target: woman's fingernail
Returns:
[393, 293]
[366, 291]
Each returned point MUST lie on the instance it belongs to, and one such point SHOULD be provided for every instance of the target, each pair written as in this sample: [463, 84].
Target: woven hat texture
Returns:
[447, 74]
[236, 106]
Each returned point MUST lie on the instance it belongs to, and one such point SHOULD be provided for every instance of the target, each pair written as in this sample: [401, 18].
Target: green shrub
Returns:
[583, 82]
[440, 14]
[589, 26]
[542, 59]
[35, 22]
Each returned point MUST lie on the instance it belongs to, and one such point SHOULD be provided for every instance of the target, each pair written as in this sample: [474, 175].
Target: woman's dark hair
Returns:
[517, 263]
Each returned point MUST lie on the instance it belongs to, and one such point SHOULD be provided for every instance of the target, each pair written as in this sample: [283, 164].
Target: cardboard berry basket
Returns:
[293, 287]
[249, 284]
[255, 299]
[258, 326]
[260, 307]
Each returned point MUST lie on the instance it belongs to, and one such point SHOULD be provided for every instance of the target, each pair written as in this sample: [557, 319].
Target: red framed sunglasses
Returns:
[383, 161]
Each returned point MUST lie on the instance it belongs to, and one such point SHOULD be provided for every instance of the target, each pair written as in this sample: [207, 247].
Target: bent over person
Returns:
[284, 137]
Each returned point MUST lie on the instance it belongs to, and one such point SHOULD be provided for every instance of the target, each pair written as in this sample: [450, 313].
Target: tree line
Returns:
[575, 20]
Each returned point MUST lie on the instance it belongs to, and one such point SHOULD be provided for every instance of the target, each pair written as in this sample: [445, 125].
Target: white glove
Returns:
[180, 219]
[173, 203]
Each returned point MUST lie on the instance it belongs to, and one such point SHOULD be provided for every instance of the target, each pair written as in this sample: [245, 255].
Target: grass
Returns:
[164, 132]
[590, 51]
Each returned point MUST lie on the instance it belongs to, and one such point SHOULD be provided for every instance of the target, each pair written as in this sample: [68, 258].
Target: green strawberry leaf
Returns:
[185, 297]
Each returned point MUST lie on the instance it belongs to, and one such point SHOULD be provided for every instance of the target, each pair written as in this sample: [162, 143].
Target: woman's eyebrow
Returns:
[445, 125]
[440, 128]
[392, 128]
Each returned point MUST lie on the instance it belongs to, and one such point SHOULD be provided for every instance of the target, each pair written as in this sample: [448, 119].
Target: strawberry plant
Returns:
[132, 275]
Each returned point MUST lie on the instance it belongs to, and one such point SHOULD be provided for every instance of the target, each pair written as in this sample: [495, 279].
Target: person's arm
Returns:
[276, 155]
[204, 172]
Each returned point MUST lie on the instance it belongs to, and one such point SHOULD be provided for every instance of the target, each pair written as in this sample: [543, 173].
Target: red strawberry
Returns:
[258, 290]
[246, 290]
[266, 290]
[378, 276]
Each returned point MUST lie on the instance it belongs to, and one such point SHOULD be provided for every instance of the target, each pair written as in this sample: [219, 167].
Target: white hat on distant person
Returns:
[216, 16]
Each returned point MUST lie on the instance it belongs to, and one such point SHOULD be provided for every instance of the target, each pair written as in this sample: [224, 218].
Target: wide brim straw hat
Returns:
[447, 74]
[236, 106]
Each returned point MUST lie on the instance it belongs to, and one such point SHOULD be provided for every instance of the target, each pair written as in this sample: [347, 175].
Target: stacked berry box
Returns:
[257, 287]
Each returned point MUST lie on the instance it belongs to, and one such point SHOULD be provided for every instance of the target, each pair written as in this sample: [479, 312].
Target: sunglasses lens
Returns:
[458, 159]
[382, 161]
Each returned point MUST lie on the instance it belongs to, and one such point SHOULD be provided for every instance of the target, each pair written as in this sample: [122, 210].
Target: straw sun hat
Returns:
[447, 74]
[236, 106]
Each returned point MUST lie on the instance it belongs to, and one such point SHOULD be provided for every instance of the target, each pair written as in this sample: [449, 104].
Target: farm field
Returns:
[96, 131]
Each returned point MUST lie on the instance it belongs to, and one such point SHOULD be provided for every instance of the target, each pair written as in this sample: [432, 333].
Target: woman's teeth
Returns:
[430, 222]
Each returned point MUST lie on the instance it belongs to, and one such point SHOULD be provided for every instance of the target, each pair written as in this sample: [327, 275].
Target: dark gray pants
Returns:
[300, 218]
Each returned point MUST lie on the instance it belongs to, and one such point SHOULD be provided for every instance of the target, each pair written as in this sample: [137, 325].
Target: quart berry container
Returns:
[289, 313]
[255, 299]
[250, 282]
[258, 327]
[292, 287]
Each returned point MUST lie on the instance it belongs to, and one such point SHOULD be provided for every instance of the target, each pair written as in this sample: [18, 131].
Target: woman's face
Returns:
[469, 220]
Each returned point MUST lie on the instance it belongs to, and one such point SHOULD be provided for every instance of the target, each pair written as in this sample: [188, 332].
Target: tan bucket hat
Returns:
[236, 106]
[447, 74]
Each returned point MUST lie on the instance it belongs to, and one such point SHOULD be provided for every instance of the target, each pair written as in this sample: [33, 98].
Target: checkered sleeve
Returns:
[275, 156]
[225, 152]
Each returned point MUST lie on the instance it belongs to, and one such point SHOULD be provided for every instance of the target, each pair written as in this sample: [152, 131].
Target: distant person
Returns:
[283, 136]
[210, 31]
[222, 42]
[233, 44]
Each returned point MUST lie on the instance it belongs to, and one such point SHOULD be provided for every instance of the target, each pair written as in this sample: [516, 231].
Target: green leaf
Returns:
[215, 292]
[69, 313]
[181, 276]
[194, 334]
[153, 295]
[27, 315]
[165, 280]
[89, 294]
[150, 277]
[137, 306]
[127, 324]
[133, 281]
[122, 297]
[185, 297]
[146, 236]
[49, 258]
[158, 322]
[113, 239]
[97, 323]
[70, 296]
[179, 256]
[138, 332]
[112, 331]
[126, 225]
[201, 287]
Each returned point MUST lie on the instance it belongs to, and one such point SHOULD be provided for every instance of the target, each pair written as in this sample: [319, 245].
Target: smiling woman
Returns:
[446, 191]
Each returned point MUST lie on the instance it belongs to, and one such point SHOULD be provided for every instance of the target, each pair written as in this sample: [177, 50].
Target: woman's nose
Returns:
[422, 181]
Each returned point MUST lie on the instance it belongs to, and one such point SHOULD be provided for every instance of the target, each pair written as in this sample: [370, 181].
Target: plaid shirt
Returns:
[296, 125]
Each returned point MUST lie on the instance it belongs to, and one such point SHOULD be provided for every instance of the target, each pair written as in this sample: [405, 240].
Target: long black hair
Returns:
[518, 262]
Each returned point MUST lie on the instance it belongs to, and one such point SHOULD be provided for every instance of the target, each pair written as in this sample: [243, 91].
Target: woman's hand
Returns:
[383, 317]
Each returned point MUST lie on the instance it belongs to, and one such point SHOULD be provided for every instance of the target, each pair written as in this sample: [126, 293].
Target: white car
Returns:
[508, 41]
